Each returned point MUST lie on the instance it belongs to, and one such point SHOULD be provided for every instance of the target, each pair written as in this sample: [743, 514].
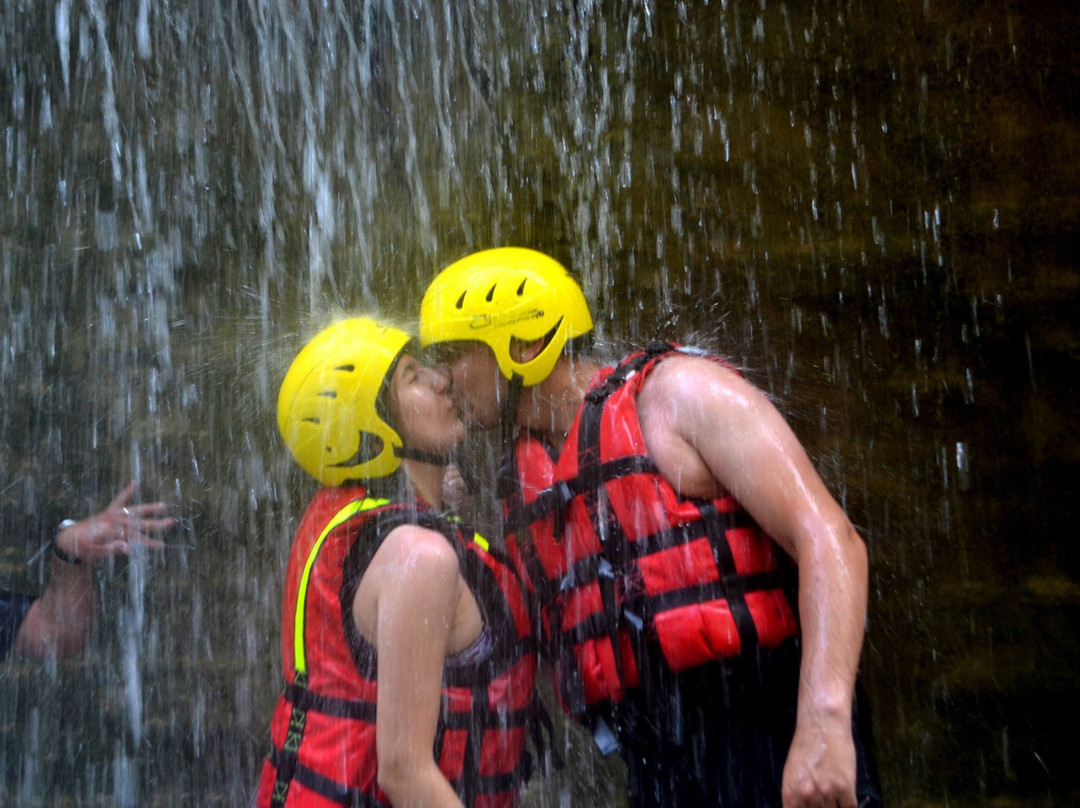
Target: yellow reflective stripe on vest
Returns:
[354, 507]
[477, 538]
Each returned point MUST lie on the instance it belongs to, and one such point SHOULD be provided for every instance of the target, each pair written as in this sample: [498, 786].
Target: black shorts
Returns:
[718, 735]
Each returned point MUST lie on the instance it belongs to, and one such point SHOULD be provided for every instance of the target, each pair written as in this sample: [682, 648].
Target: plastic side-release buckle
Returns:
[604, 738]
[563, 495]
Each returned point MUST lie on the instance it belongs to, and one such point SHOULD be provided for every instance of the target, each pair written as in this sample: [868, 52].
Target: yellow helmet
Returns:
[326, 408]
[496, 296]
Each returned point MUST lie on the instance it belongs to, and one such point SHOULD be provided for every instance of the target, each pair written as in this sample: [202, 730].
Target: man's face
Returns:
[478, 385]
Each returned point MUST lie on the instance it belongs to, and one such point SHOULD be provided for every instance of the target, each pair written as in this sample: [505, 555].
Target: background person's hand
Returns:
[116, 529]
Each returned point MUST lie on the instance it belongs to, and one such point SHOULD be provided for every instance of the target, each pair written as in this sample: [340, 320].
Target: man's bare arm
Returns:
[699, 416]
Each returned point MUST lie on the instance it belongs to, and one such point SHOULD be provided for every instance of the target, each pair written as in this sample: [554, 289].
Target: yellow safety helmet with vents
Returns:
[499, 295]
[327, 410]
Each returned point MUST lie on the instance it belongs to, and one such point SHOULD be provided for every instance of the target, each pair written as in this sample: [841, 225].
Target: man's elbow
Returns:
[855, 548]
[70, 643]
[853, 564]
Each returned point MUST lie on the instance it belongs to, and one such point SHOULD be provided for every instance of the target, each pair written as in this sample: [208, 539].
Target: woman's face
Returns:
[422, 409]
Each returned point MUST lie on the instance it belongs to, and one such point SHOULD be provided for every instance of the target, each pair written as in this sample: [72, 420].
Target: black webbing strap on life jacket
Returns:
[286, 762]
[475, 678]
[520, 515]
[717, 525]
[475, 720]
[594, 498]
[731, 585]
[509, 489]
[320, 784]
[477, 717]
[303, 699]
[710, 526]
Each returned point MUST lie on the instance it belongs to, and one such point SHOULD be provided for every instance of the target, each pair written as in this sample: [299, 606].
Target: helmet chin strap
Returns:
[508, 417]
[455, 456]
[422, 456]
[507, 424]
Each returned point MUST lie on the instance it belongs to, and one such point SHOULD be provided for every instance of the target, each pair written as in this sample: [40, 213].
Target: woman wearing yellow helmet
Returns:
[402, 631]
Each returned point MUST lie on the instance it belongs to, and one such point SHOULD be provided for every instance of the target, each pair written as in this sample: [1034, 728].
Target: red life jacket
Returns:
[323, 729]
[617, 558]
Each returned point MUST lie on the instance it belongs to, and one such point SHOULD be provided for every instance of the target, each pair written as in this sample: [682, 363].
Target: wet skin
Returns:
[423, 411]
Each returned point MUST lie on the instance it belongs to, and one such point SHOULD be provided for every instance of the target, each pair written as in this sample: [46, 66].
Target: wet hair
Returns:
[382, 398]
[581, 346]
[392, 486]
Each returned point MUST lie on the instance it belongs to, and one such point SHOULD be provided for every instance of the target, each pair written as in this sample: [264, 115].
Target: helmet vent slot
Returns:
[329, 393]
[460, 301]
[521, 289]
[346, 368]
[491, 293]
[311, 420]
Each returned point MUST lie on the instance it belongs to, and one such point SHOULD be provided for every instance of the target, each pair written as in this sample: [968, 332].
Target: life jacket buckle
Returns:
[562, 495]
[604, 738]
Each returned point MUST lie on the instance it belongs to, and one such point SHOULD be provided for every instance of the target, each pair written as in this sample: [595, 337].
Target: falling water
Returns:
[869, 207]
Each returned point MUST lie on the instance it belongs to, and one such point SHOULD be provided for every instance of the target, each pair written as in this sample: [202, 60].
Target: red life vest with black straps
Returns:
[617, 558]
[323, 731]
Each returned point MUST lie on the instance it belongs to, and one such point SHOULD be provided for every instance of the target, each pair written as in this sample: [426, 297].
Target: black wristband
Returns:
[67, 558]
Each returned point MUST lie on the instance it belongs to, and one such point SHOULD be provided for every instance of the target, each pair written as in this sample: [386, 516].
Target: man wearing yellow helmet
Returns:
[660, 509]
[403, 633]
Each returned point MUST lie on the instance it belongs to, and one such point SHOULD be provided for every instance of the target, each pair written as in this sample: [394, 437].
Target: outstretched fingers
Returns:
[145, 519]
[149, 542]
[122, 499]
[145, 509]
[123, 524]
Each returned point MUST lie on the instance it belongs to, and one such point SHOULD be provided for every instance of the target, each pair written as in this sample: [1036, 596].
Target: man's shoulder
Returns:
[687, 375]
